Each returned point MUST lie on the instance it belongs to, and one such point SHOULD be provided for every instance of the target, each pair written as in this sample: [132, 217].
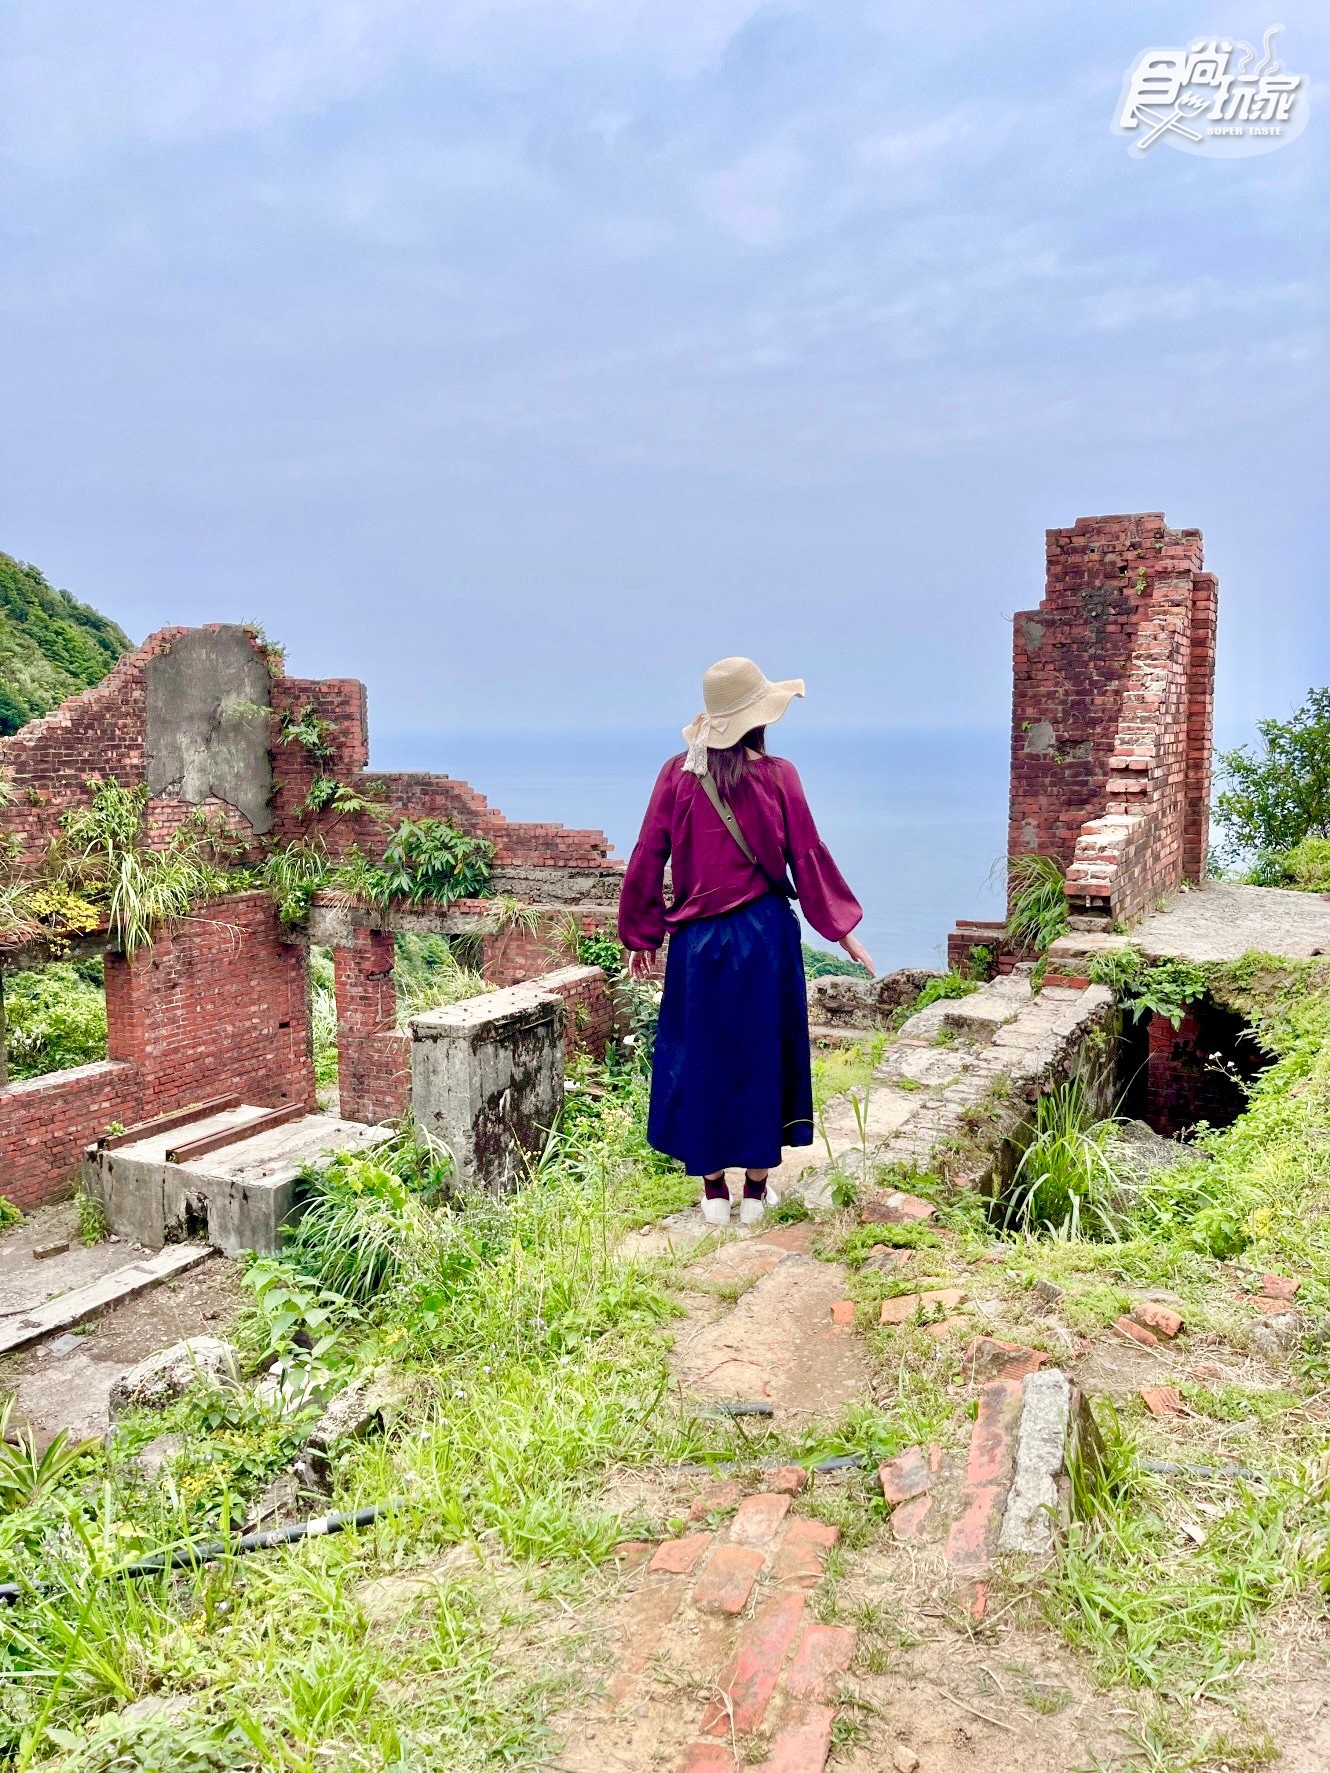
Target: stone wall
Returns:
[218, 1004]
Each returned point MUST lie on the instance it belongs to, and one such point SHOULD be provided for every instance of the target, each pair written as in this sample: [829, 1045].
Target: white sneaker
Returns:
[717, 1212]
[751, 1211]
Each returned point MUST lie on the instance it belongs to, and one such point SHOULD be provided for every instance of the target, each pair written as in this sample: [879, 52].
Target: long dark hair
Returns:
[727, 767]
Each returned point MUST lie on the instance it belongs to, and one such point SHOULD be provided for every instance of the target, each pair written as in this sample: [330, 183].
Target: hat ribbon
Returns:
[707, 723]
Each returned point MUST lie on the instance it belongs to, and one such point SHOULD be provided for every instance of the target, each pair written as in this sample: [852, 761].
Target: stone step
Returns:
[82, 1303]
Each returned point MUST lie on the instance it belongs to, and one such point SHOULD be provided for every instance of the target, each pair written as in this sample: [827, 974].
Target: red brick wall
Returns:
[219, 1003]
[373, 1059]
[342, 703]
[1111, 707]
[46, 1121]
[588, 997]
[1200, 1070]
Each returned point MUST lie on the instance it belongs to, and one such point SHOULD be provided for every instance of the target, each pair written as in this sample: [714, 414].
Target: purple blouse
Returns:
[709, 871]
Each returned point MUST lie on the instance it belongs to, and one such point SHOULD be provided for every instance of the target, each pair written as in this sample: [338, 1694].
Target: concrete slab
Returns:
[82, 1303]
[1217, 922]
[25, 1283]
[238, 1197]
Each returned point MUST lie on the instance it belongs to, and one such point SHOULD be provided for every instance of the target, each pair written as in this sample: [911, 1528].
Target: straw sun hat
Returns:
[737, 698]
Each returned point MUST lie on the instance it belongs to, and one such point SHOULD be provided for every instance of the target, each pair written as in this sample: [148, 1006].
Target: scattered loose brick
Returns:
[759, 1518]
[1132, 1332]
[901, 1309]
[896, 1208]
[802, 1746]
[1279, 1286]
[988, 1472]
[946, 1326]
[1158, 1318]
[716, 1499]
[633, 1553]
[1046, 1295]
[789, 1480]
[1163, 1400]
[842, 1313]
[802, 1556]
[909, 1474]
[680, 1557]
[1265, 1304]
[824, 1651]
[907, 1521]
[727, 1581]
[1207, 1371]
[44, 1251]
[988, 1358]
[749, 1678]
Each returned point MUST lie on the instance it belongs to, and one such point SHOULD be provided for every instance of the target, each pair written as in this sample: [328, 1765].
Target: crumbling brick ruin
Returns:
[220, 1003]
[1112, 708]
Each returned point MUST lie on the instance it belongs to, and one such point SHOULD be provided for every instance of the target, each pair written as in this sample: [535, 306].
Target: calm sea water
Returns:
[916, 819]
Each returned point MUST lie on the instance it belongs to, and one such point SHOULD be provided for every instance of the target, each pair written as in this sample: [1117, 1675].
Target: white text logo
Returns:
[1218, 97]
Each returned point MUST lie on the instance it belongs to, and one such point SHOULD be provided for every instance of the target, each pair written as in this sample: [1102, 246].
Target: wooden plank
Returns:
[82, 1303]
[167, 1123]
[246, 1129]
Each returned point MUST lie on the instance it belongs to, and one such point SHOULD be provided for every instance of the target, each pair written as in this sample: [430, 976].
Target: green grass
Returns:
[1068, 1181]
[532, 1360]
[1036, 902]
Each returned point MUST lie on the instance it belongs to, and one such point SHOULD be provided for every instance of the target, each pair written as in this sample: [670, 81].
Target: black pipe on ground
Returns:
[191, 1556]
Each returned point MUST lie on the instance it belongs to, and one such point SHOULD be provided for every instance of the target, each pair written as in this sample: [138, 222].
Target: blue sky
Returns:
[520, 358]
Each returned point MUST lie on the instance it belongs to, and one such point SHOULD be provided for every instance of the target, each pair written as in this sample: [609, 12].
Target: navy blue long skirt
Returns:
[730, 1075]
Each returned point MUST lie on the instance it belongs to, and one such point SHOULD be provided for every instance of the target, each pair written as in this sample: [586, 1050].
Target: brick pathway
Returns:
[742, 1593]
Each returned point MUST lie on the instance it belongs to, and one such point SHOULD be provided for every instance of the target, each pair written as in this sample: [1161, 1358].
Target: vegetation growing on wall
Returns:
[102, 871]
[1037, 900]
[51, 646]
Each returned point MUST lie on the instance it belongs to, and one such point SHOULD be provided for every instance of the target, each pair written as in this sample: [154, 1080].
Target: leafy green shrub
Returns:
[431, 861]
[1270, 801]
[1306, 866]
[1142, 987]
[55, 1018]
[1037, 902]
[9, 1214]
[820, 964]
[946, 985]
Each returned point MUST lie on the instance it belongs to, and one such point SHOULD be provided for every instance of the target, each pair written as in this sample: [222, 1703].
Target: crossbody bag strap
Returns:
[728, 819]
[731, 824]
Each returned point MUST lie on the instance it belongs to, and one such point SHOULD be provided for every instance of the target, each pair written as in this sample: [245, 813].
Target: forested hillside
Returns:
[51, 646]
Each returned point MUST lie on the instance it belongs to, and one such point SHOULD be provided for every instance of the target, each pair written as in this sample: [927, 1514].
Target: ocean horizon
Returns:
[916, 817]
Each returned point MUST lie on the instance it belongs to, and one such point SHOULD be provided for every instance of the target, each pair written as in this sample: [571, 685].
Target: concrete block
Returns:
[487, 1081]
[238, 1198]
[1056, 1430]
